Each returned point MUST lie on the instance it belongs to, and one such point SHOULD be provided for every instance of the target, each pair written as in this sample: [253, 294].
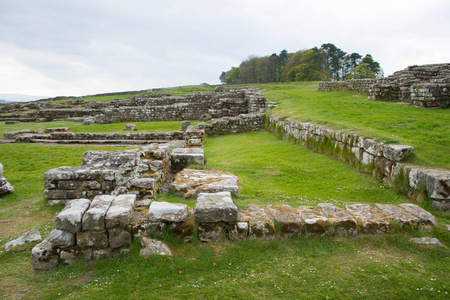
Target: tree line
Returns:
[325, 63]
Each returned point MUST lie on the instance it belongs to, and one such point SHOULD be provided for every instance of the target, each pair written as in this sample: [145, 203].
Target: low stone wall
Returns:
[91, 230]
[241, 123]
[383, 161]
[140, 172]
[424, 86]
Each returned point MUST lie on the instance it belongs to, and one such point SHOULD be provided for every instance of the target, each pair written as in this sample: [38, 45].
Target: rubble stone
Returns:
[151, 247]
[28, 237]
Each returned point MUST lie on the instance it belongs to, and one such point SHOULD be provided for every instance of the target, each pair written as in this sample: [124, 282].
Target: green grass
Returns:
[425, 129]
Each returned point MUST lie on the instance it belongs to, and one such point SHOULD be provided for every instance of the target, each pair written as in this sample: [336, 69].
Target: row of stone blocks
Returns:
[216, 217]
[89, 229]
[385, 160]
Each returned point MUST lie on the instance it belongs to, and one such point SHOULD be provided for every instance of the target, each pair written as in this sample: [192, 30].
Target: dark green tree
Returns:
[333, 60]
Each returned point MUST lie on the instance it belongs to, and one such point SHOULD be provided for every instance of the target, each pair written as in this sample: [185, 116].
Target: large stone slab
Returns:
[181, 157]
[261, 224]
[167, 212]
[215, 207]
[288, 219]
[28, 237]
[341, 221]
[69, 219]
[94, 217]
[366, 221]
[315, 222]
[425, 217]
[397, 214]
[397, 152]
[190, 182]
[120, 212]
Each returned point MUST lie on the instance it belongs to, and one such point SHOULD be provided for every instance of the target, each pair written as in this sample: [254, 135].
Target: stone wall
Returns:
[383, 161]
[424, 86]
[221, 102]
[241, 123]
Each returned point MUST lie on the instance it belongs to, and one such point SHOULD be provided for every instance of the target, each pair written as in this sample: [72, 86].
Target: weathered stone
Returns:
[315, 222]
[215, 207]
[190, 182]
[367, 158]
[69, 219]
[187, 229]
[341, 221]
[143, 183]
[288, 219]
[5, 186]
[151, 247]
[95, 239]
[44, 256]
[94, 218]
[119, 237]
[397, 152]
[1, 170]
[130, 127]
[61, 238]
[167, 212]
[424, 216]
[397, 214]
[209, 232]
[427, 241]
[120, 211]
[261, 225]
[181, 157]
[437, 183]
[68, 257]
[101, 253]
[28, 237]
[238, 231]
[366, 221]
[68, 184]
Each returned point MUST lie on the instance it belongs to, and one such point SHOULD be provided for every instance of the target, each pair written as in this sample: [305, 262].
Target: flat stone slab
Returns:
[167, 212]
[215, 207]
[120, 212]
[28, 237]
[190, 182]
[424, 216]
[427, 241]
[397, 214]
[69, 219]
[341, 221]
[261, 224]
[367, 222]
[94, 217]
[287, 218]
[181, 157]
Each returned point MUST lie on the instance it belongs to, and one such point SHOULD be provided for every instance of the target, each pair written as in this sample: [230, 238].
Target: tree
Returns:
[333, 59]
[350, 62]
[363, 70]
[310, 67]
[373, 65]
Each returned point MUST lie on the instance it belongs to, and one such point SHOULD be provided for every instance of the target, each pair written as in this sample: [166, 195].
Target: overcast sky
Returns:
[80, 47]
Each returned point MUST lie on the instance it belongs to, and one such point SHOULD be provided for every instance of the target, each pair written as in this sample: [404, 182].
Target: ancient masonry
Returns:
[424, 86]
[383, 161]
[158, 107]
[5, 186]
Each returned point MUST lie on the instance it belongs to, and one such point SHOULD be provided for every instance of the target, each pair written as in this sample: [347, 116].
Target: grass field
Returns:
[271, 171]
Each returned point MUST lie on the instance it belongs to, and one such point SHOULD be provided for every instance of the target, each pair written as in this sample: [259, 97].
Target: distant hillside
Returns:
[3, 101]
[8, 97]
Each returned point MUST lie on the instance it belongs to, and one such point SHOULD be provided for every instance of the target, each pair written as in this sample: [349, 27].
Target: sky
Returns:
[77, 47]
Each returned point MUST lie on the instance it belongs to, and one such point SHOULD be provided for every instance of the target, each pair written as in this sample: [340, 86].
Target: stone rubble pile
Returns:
[5, 186]
[383, 161]
[91, 230]
[424, 86]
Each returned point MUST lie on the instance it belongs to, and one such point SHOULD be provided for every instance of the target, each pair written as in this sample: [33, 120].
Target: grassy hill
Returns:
[271, 171]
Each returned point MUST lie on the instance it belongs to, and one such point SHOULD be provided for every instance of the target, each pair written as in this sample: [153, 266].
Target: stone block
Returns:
[187, 229]
[68, 184]
[28, 237]
[427, 241]
[94, 218]
[424, 216]
[61, 173]
[341, 221]
[181, 157]
[69, 219]
[119, 237]
[315, 222]
[143, 183]
[208, 232]
[437, 182]
[365, 220]
[94, 239]
[101, 253]
[151, 247]
[59, 238]
[261, 225]
[44, 256]
[120, 212]
[215, 207]
[63, 194]
[397, 214]
[397, 152]
[167, 212]
[238, 231]
[367, 158]
[288, 219]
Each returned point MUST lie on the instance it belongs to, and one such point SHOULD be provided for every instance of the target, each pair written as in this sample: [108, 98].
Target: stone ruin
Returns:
[5, 186]
[425, 86]
[220, 103]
